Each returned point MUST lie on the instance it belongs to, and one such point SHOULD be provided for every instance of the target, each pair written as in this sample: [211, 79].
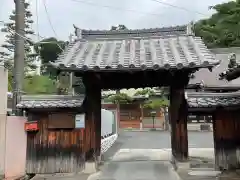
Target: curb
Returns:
[148, 130]
[172, 171]
[143, 130]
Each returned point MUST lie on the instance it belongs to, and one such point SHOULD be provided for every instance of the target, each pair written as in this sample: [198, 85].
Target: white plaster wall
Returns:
[3, 116]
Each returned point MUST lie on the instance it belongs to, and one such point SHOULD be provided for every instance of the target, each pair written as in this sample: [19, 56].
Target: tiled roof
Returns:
[210, 100]
[50, 101]
[127, 33]
[211, 79]
[155, 53]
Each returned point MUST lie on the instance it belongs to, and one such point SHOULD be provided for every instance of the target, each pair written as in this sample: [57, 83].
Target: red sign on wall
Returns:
[31, 126]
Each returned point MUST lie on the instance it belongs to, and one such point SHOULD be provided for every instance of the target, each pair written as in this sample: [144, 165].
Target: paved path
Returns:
[144, 156]
[141, 156]
[162, 139]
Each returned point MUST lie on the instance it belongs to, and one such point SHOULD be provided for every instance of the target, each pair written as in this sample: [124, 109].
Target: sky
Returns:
[102, 14]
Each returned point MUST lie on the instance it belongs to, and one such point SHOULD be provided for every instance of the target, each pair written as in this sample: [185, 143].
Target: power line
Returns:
[28, 39]
[178, 7]
[115, 8]
[48, 17]
[135, 11]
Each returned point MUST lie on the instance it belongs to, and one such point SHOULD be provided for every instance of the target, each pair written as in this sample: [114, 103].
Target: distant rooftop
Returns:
[50, 101]
[211, 79]
[212, 100]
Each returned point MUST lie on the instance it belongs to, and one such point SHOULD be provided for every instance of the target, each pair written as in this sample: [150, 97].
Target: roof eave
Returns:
[47, 107]
[231, 75]
[74, 68]
[211, 109]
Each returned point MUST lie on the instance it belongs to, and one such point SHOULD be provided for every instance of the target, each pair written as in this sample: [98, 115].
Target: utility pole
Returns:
[19, 53]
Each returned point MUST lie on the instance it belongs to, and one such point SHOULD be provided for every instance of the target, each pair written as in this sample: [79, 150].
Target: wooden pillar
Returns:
[93, 117]
[178, 113]
[226, 132]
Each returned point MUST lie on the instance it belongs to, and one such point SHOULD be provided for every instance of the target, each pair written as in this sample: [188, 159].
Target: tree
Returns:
[9, 45]
[39, 85]
[119, 98]
[222, 28]
[156, 103]
[49, 49]
[145, 92]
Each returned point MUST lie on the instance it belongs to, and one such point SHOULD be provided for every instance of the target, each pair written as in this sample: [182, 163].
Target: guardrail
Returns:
[107, 142]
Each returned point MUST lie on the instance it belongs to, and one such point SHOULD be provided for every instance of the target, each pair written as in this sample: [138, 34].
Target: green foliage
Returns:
[49, 50]
[10, 80]
[9, 45]
[222, 29]
[119, 98]
[79, 87]
[156, 103]
[39, 85]
[145, 92]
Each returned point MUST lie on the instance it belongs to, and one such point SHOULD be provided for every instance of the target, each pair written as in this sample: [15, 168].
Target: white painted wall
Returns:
[3, 116]
[107, 122]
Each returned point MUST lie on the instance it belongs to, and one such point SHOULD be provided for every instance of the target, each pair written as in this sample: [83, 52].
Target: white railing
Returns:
[106, 143]
[108, 130]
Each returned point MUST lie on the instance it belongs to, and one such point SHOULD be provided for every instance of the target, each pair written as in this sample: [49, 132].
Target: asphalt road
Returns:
[135, 156]
[162, 139]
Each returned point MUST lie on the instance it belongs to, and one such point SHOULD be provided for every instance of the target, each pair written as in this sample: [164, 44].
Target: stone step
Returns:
[204, 173]
[202, 169]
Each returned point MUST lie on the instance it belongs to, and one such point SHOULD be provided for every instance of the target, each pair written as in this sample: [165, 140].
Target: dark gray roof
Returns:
[170, 52]
[50, 101]
[211, 79]
[128, 33]
[211, 100]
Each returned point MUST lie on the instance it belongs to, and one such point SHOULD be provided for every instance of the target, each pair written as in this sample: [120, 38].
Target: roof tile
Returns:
[127, 33]
[50, 101]
[211, 100]
[137, 53]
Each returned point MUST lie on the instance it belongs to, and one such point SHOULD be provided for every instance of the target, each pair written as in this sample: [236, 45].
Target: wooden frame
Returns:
[61, 121]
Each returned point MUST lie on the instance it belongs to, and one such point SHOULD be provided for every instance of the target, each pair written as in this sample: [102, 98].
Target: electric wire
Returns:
[178, 7]
[135, 11]
[48, 17]
[28, 39]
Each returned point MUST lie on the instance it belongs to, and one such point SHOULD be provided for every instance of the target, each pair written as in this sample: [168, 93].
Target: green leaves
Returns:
[156, 103]
[145, 92]
[119, 98]
[39, 85]
[222, 29]
[9, 44]
[49, 50]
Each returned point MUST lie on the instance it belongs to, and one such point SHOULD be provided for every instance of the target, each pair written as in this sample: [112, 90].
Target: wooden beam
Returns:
[226, 128]
[93, 116]
[178, 117]
[178, 113]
